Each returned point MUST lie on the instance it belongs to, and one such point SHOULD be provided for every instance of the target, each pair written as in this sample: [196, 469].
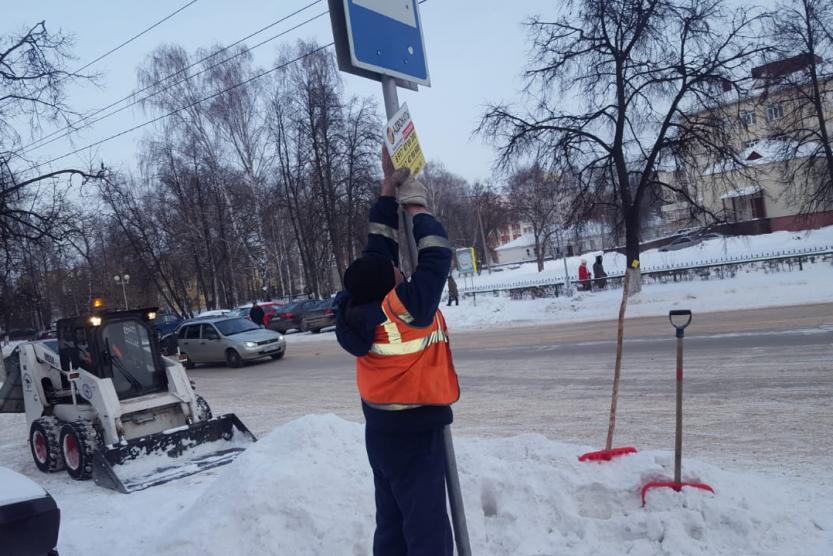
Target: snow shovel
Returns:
[677, 484]
[610, 452]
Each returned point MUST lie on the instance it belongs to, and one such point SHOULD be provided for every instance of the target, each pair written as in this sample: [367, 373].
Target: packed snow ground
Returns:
[306, 489]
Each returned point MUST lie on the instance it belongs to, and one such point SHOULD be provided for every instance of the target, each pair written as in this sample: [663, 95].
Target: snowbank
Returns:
[747, 290]
[739, 246]
[306, 488]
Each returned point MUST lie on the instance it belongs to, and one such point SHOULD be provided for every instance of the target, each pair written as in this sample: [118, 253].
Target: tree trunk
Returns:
[632, 250]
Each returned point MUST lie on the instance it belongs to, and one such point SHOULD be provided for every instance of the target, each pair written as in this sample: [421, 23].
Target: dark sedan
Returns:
[291, 315]
[320, 315]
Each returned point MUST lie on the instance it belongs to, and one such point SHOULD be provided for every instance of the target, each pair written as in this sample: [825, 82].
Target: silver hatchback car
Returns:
[229, 340]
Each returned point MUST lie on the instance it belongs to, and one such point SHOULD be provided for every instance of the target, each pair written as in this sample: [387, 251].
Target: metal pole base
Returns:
[455, 496]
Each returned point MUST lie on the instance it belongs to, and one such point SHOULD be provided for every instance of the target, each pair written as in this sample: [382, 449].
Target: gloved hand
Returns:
[413, 192]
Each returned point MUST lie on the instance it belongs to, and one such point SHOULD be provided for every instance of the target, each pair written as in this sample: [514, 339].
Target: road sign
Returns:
[376, 38]
[466, 261]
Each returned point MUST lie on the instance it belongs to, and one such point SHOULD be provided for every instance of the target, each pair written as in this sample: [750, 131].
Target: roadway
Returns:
[758, 385]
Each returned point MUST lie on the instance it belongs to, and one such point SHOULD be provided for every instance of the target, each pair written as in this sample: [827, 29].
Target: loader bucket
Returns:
[158, 458]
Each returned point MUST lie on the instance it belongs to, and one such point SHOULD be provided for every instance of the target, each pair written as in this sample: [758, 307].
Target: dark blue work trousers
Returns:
[409, 475]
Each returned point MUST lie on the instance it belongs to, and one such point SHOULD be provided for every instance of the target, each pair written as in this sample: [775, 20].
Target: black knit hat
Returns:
[369, 278]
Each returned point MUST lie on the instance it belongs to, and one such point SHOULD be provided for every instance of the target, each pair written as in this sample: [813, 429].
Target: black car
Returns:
[29, 517]
[320, 315]
[291, 316]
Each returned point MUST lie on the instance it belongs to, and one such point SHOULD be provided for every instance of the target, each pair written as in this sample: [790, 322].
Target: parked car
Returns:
[213, 313]
[166, 323]
[319, 315]
[29, 517]
[289, 317]
[229, 340]
[711, 235]
[680, 243]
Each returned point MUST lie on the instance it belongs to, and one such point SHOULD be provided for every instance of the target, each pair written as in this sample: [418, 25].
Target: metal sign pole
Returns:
[409, 254]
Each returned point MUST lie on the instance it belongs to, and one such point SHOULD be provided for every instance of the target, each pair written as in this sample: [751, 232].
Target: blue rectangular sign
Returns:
[385, 37]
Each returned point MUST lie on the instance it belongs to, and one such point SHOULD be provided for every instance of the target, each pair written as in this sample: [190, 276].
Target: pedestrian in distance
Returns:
[256, 313]
[584, 276]
[452, 292]
[404, 369]
[599, 273]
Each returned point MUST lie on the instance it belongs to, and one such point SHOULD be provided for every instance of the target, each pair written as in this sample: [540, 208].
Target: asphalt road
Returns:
[758, 385]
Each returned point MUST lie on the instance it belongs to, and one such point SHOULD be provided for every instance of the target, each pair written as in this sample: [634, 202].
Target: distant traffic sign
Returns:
[380, 37]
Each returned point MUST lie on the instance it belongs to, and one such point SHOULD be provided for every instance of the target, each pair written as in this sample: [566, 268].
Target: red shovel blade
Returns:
[607, 455]
[671, 484]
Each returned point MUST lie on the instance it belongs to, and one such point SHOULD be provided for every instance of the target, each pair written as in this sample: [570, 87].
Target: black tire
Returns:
[233, 359]
[79, 441]
[277, 356]
[187, 363]
[303, 326]
[316, 331]
[203, 409]
[44, 443]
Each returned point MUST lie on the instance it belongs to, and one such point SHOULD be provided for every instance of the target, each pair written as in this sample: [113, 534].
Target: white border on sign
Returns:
[386, 71]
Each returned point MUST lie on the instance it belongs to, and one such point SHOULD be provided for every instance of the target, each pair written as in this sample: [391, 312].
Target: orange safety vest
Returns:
[406, 364]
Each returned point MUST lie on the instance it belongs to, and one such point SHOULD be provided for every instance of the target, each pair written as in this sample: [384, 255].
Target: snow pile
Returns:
[714, 249]
[306, 488]
[747, 290]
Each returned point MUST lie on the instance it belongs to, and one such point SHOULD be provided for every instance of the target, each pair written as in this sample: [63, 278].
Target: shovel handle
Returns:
[680, 326]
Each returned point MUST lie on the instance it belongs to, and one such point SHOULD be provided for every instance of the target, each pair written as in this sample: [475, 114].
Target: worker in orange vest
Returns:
[404, 369]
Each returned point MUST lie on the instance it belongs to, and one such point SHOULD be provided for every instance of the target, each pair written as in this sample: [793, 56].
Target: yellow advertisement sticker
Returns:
[402, 142]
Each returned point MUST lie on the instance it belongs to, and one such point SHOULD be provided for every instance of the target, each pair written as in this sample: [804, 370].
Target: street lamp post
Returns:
[123, 279]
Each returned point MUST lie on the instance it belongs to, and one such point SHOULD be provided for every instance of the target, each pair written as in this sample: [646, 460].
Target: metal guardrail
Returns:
[551, 286]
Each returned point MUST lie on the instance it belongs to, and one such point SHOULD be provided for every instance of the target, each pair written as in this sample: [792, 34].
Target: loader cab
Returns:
[121, 346]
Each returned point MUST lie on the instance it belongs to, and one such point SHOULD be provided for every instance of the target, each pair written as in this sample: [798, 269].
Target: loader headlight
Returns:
[152, 315]
[95, 321]
[250, 344]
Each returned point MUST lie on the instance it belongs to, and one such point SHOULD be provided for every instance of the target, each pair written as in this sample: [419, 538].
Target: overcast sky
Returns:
[476, 52]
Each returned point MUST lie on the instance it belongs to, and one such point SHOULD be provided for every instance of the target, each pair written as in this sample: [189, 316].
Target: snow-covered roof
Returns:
[526, 240]
[742, 192]
[765, 151]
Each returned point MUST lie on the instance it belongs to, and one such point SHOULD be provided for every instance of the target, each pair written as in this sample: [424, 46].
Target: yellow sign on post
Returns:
[402, 143]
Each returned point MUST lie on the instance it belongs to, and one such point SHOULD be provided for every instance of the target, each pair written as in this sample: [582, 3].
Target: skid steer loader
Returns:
[102, 402]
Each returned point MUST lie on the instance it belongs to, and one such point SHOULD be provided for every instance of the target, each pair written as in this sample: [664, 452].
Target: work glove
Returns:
[398, 177]
[413, 192]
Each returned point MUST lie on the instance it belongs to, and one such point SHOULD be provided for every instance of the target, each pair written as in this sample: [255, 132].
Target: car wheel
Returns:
[78, 443]
[278, 356]
[44, 442]
[233, 359]
[316, 331]
[303, 327]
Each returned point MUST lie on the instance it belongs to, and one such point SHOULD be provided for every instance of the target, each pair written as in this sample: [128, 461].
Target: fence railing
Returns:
[728, 267]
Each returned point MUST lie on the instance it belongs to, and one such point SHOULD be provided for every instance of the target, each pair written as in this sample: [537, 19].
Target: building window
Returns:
[774, 112]
[747, 117]
[749, 144]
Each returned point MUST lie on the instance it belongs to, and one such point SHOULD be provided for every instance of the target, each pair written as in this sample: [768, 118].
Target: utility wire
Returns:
[134, 37]
[171, 86]
[46, 139]
[196, 102]
[173, 112]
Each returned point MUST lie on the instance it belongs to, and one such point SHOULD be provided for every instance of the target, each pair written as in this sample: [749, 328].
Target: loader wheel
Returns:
[45, 445]
[203, 409]
[233, 359]
[78, 443]
[187, 363]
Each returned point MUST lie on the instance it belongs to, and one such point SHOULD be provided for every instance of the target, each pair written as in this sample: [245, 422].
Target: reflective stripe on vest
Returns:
[407, 365]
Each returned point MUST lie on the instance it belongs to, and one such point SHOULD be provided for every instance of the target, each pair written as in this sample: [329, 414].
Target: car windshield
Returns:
[235, 326]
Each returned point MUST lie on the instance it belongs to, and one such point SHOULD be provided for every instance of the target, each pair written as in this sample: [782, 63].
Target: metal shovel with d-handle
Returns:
[677, 484]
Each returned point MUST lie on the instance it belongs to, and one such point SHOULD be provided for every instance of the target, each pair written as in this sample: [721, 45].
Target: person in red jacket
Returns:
[584, 276]
[404, 370]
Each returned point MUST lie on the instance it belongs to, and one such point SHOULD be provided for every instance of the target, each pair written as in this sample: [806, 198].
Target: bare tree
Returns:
[532, 199]
[804, 28]
[613, 85]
